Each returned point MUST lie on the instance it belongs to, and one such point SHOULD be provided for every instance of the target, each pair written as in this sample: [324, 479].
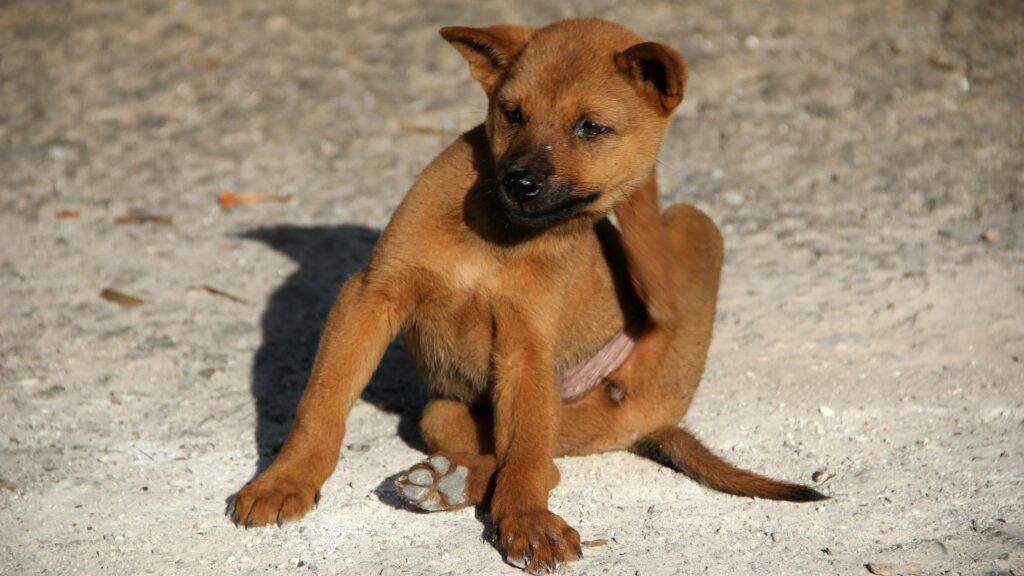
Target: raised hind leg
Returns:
[461, 466]
[654, 387]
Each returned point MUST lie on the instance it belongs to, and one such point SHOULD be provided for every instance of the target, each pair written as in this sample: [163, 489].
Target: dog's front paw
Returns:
[538, 542]
[438, 483]
[272, 500]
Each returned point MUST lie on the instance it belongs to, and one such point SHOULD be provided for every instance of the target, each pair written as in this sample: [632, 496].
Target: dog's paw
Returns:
[272, 501]
[437, 483]
[538, 542]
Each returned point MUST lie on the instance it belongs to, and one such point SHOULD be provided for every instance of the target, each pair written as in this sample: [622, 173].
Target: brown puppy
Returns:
[540, 329]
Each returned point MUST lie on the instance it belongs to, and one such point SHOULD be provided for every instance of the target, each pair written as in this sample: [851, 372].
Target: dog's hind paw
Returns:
[435, 484]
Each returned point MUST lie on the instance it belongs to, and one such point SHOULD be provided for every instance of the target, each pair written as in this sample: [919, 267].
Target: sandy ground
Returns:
[865, 161]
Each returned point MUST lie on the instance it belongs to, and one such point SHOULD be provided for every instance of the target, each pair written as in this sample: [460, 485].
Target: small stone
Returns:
[733, 198]
[992, 236]
[826, 411]
[752, 42]
[819, 475]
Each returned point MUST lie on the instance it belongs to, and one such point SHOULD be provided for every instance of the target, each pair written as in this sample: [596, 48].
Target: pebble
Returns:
[733, 198]
[826, 411]
[992, 236]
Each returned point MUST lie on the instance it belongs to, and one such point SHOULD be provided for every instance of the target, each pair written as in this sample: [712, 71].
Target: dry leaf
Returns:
[143, 219]
[66, 214]
[228, 199]
[595, 543]
[120, 298]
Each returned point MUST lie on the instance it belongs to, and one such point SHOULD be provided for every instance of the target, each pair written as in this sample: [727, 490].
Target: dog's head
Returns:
[576, 116]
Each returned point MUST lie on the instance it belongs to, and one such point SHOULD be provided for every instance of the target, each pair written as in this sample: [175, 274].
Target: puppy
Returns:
[540, 329]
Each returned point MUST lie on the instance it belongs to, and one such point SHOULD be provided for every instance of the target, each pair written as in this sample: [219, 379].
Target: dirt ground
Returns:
[864, 159]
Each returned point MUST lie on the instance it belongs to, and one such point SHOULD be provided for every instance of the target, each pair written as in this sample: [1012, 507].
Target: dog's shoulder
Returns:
[459, 165]
[431, 219]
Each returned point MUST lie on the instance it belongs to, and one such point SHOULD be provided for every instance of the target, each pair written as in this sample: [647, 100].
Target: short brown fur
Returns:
[498, 295]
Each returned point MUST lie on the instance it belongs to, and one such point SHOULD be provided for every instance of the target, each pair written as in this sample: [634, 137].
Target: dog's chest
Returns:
[450, 334]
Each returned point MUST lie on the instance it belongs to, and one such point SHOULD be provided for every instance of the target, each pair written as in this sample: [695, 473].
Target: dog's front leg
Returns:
[526, 404]
[366, 316]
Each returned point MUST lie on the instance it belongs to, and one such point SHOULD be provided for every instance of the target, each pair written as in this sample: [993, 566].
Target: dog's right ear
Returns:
[490, 51]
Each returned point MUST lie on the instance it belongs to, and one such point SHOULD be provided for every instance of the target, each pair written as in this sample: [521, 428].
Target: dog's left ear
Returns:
[490, 51]
[657, 71]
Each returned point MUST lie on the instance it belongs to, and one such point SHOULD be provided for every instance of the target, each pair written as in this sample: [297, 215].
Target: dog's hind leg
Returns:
[697, 249]
[461, 466]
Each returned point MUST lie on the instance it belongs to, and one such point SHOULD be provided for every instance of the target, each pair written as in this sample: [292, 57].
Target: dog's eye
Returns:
[589, 129]
[513, 115]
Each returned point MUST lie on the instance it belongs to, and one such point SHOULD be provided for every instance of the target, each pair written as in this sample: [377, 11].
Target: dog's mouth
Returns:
[546, 215]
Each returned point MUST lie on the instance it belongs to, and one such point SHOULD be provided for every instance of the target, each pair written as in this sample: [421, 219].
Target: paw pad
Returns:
[434, 484]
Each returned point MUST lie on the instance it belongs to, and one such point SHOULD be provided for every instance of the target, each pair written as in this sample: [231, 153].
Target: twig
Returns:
[144, 219]
[223, 294]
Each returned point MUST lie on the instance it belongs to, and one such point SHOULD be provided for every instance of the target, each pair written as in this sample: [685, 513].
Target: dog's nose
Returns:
[522, 184]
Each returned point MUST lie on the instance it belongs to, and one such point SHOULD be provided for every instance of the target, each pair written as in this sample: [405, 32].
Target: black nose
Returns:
[522, 184]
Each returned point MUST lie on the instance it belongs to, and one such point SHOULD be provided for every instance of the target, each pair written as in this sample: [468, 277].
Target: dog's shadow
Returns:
[291, 325]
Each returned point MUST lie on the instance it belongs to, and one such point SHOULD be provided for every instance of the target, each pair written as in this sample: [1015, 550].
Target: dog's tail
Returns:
[678, 449]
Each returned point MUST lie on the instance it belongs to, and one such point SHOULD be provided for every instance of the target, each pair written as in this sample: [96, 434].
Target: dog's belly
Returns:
[450, 342]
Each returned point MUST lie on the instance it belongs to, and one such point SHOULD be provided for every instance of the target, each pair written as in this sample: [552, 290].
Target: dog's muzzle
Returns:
[530, 200]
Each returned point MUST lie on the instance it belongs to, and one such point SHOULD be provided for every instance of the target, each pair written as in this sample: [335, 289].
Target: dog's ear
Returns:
[657, 71]
[490, 51]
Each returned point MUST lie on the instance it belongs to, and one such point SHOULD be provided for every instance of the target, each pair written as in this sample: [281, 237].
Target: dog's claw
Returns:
[519, 562]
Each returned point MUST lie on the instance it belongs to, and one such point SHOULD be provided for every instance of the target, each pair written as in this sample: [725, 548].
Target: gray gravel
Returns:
[865, 161]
